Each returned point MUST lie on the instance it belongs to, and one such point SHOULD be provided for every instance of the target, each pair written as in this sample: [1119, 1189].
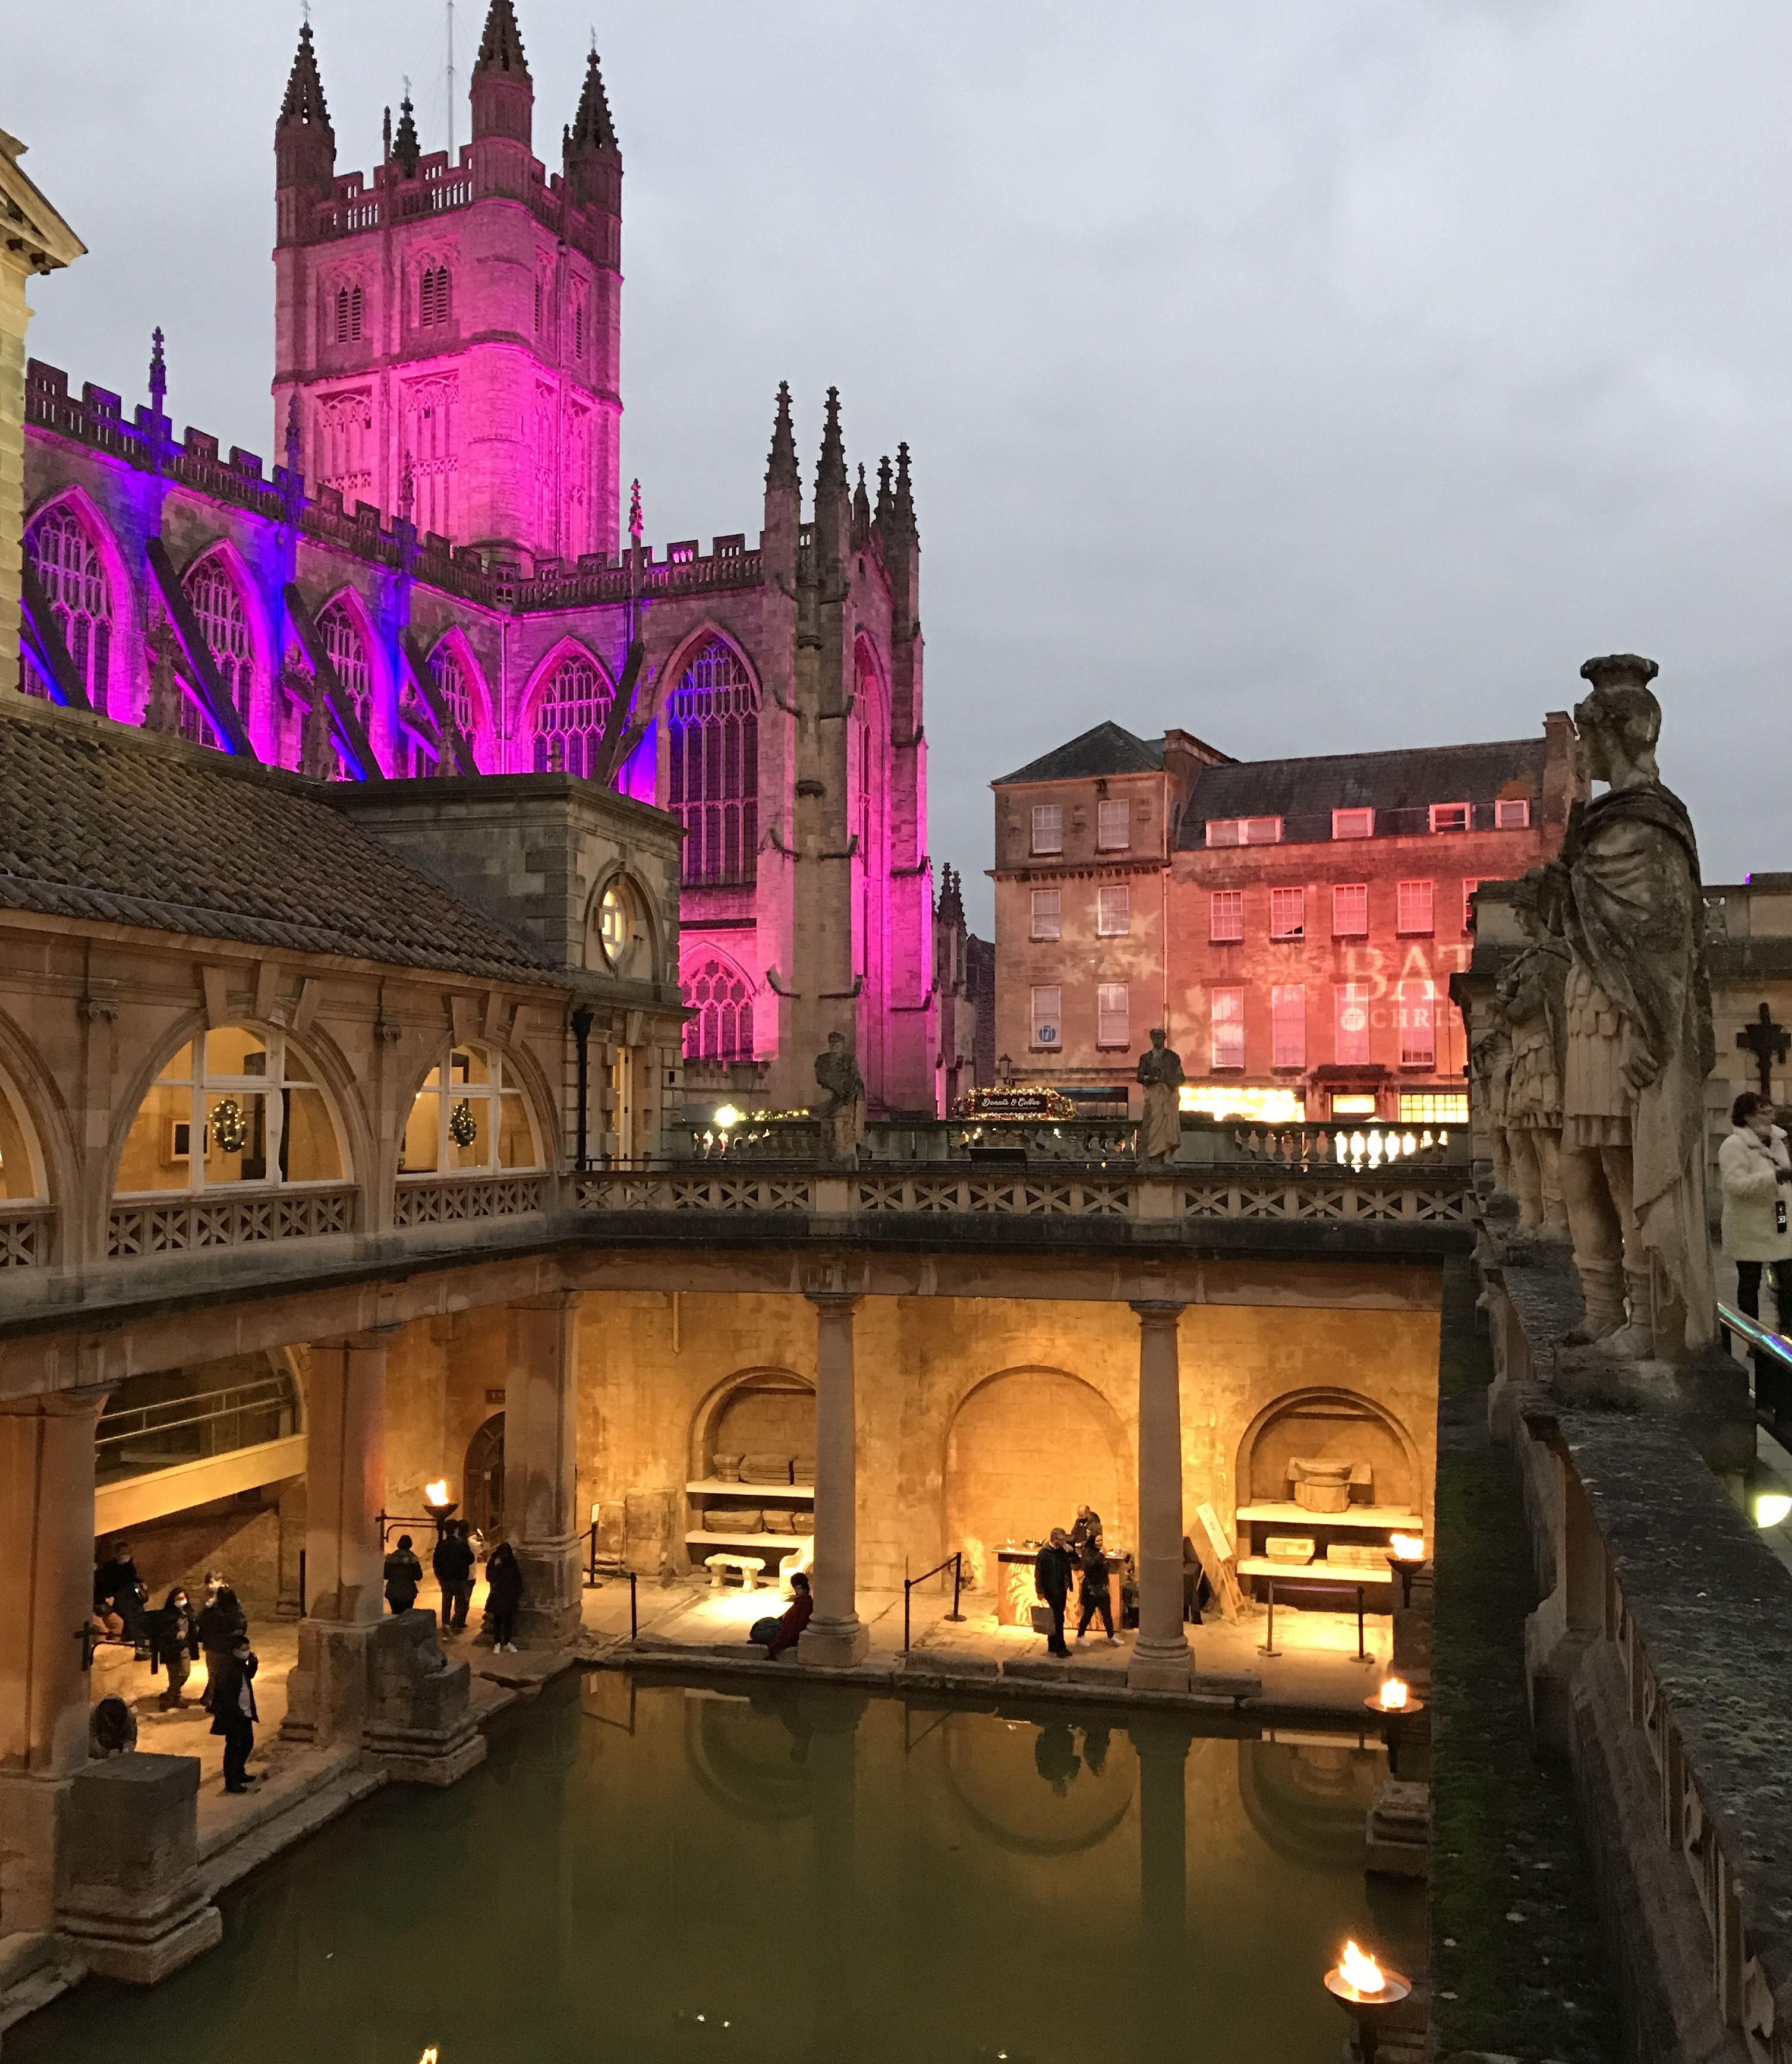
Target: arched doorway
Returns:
[483, 1477]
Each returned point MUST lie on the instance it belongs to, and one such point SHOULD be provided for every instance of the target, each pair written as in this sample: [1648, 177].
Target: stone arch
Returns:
[1325, 1421]
[1023, 1447]
[518, 1075]
[118, 701]
[454, 643]
[723, 994]
[765, 1402]
[482, 1478]
[38, 1161]
[546, 683]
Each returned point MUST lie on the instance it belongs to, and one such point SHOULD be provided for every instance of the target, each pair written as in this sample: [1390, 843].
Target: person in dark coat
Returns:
[111, 1729]
[220, 1623]
[118, 1589]
[503, 1594]
[1054, 1755]
[1096, 1599]
[403, 1573]
[1051, 1575]
[1087, 1528]
[175, 1645]
[233, 1712]
[453, 1564]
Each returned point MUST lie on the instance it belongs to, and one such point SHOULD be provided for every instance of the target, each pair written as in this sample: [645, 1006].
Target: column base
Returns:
[834, 1644]
[419, 1728]
[1159, 1667]
[134, 1907]
[326, 1689]
[553, 1594]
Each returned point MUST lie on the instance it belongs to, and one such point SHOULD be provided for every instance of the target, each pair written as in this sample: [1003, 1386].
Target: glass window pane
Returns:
[516, 1136]
[422, 1133]
[236, 1137]
[234, 1050]
[469, 1132]
[155, 1148]
[180, 1068]
[295, 1068]
[313, 1154]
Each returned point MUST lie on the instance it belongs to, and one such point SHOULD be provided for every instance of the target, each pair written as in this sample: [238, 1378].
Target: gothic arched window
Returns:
[347, 654]
[712, 726]
[217, 602]
[722, 1029]
[433, 302]
[68, 564]
[573, 708]
[448, 670]
[347, 315]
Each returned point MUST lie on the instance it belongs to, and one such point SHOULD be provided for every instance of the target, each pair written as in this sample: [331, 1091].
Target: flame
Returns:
[1359, 1970]
[1408, 1547]
[1394, 1694]
[428, 2056]
[436, 1494]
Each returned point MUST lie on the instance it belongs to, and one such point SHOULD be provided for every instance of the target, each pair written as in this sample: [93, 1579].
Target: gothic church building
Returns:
[434, 581]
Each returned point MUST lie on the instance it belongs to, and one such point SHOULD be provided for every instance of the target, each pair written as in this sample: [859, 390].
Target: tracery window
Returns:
[347, 315]
[468, 1117]
[433, 302]
[449, 673]
[722, 1028]
[712, 724]
[347, 654]
[573, 709]
[216, 602]
[240, 1104]
[68, 564]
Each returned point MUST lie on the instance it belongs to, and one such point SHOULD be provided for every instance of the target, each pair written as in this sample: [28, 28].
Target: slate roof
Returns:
[103, 823]
[1107, 749]
[1399, 787]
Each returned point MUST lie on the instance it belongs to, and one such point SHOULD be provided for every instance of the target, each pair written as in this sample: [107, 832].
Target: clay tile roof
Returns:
[1107, 749]
[97, 822]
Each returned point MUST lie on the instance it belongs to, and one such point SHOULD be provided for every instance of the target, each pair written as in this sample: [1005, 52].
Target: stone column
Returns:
[1160, 1657]
[46, 1545]
[541, 1449]
[835, 1636]
[344, 1490]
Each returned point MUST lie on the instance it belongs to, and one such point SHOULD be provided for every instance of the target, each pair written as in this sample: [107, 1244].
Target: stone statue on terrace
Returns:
[1639, 1041]
[1160, 1071]
[1490, 1059]
[1530, 999]
[843, 1114]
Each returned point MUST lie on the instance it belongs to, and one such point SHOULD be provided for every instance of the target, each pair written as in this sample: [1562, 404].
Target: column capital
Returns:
[1159, 1311]
[833, 1301]
[89, 1399]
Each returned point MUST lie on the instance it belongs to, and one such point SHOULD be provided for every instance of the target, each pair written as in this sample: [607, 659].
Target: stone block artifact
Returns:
[1531, 994]
[1160, 1071]
[1639, 1041]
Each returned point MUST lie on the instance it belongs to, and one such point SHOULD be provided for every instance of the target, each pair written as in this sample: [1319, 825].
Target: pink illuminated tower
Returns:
[460, 322]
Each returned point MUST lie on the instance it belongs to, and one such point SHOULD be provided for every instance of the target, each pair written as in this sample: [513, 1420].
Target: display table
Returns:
[1015, 1596]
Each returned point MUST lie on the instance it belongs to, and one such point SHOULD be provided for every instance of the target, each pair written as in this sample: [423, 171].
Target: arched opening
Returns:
[238, 1104]
[482, 1478]
[1026, 1448]
[1358, 1452]
[712, 742]
[339, 625]
[217, 604]
[22, 1177]
[66, 557]
[570, 716]
[470, 1116]
[752, 1459]
[721, 997]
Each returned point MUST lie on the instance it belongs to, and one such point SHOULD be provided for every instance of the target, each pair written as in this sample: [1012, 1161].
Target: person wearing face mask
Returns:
[176, 1645]
[1755, 1171]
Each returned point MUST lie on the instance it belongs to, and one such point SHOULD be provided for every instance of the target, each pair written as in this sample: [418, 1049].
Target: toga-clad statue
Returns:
[1160, 1071]
[843, 1114]
[1639, 1041]
[1531, 997]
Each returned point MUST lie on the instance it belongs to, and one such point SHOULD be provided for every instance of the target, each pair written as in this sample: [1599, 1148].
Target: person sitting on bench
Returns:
[775, 1635]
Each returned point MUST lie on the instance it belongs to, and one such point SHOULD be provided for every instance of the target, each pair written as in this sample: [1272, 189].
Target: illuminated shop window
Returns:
[467, 1119]
[1113, 826]
[1353, 1104]
[1414, 910]
[1244, 831]
[1047, 916]
[1113, 1014]
[1353, 824]
[1351, 1019]
[1226, 916]
[73, 577]
[1226, 1008]
[1048, 827]
[1261, 1107]
[236, 1105]
[1288, 1019]
[1048, 1006]
[1287, 913]
[1349, 910]
[1113, 911]
[1512, 813]
[1450, 816]
[722, 1028]
[1425, 1107]
[1417, 1036]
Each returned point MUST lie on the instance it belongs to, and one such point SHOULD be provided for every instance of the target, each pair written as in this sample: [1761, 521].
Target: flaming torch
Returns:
[1406, 1553]
[1394, 1704]
[1367, 1991]
[439, 1506]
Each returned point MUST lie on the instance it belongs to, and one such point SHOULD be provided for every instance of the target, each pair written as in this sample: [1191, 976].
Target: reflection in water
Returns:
[647, 1873]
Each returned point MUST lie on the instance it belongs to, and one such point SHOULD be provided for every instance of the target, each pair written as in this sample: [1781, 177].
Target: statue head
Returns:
[1620, 722]
[836, 1043]
[1158, 1035]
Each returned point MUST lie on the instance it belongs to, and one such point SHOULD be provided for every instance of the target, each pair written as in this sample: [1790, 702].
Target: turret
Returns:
[832, 500]
[784, 494]
[405, 148]
[503, 93]
[304, 143]
[591, 157]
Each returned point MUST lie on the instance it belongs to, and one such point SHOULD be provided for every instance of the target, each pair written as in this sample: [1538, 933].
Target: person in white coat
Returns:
[1754, 1169]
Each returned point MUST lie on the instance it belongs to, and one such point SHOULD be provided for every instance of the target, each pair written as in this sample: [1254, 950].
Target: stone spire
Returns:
[862, 512]
[950, 910]
[304, 143]
[902, 508]
[592, 129]
[781, 470]
[830, 474]
[406, 148]
[500, 46]
[503, 93]
[885, 512]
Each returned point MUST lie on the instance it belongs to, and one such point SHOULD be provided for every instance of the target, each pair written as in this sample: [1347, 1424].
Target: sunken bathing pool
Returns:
[648, 1869]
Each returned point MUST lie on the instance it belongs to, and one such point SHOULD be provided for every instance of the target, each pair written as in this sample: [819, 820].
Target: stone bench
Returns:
[752, 1569]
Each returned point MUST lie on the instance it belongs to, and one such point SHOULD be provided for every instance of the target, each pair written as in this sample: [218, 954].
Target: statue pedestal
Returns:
[1706, 1393]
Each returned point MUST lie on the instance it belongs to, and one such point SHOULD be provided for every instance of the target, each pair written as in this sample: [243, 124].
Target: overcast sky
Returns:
[1314, 375]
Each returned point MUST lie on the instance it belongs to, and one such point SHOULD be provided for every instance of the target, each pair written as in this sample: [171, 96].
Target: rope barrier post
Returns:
[1269, 1647]
[907, 1588]
[633, 1624]
[1363, 1653]
[958, 1573]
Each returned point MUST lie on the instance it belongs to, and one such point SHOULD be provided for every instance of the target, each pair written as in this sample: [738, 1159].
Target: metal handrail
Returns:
[955, 1563]
[252, 1396]
[1730, 1321]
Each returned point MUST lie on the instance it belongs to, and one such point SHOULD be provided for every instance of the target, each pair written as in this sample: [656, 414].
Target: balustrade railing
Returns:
[424, 1200]
[133, 1440]
[178, 1225]
[25, 1230]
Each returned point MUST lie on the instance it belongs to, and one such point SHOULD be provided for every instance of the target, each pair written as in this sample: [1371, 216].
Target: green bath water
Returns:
[651, 1872]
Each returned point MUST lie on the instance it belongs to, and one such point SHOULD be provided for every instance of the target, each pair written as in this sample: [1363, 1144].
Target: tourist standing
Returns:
[1095, 1598]
[176, 1645]
[1754, 1170]
[1051, 1576]
[220, 1623]
[233, 1712]
[503, 1594]
[453, 1564]
[403, 1573]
